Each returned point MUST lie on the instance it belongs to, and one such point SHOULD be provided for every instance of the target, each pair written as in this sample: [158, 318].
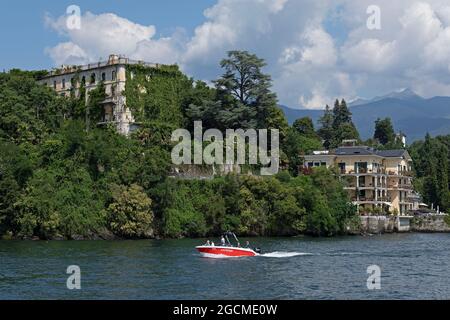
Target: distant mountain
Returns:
[410, 113]
[406, 94]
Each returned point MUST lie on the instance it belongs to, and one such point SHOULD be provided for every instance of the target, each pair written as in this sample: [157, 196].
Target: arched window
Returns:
[92, 78]
[103, 76]
[113, 76]
[63, 83]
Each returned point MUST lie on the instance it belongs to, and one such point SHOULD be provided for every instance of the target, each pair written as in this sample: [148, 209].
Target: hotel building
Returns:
[375, 179]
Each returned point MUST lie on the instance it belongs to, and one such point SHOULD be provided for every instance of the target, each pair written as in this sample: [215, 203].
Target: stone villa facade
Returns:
[67, 80]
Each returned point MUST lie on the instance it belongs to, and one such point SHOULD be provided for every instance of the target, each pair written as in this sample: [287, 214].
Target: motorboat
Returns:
[226, 248]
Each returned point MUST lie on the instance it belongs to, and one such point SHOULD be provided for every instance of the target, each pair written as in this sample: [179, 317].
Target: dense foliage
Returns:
[281, 205]
[337, 125]
[62, 176]
[431, 163]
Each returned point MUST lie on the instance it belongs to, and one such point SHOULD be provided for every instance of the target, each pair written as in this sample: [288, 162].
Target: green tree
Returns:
[130, 215]
[384, 131]
[247, 89]
[343, 127]
[326, 129]
[15, 170]
[341, 114]
[430, 158]
[304, 126]
[297, 145]
[59, 202]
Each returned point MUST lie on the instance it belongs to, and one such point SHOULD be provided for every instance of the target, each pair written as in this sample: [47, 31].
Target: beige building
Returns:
[67, 80]
[375, 179]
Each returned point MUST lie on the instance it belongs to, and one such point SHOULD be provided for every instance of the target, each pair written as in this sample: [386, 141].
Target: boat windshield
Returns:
[231, 235]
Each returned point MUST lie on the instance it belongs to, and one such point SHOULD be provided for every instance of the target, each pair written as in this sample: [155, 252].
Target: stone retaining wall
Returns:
[389, 224]
[434, 223]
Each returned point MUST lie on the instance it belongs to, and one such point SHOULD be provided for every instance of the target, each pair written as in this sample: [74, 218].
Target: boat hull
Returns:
[224, 252]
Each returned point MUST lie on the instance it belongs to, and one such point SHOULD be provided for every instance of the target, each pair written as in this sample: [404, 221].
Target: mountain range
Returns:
[410, 113]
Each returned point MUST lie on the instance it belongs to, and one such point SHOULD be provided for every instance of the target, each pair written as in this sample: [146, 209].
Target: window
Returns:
[103, 76]
[310, 164]
[362, 181]
[92, 78]
[63, 83]
[113, 90]
[83, 80]
[54, 85]
[360, 167]
[113, 76]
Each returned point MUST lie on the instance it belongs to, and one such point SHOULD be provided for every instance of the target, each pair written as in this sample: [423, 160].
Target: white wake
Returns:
[281, 254]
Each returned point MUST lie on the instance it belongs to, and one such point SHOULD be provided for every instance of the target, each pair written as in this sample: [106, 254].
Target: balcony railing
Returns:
[406, 173]
[401, 186]
[372, 199]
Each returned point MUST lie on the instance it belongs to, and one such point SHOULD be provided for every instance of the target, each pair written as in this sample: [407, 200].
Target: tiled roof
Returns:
[391, 153]
[364, 150]
[354, 151]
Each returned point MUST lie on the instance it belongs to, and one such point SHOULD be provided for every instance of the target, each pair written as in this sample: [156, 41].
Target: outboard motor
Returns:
[257, 250]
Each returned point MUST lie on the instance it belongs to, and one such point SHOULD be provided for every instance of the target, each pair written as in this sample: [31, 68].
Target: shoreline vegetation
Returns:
[64, 177]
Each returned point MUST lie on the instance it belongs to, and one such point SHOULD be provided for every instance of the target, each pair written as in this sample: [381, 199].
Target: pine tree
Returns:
[384, 131]
[326, 129]
[341, 114]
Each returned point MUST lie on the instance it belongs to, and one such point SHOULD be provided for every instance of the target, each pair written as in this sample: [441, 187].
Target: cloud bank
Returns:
[316, 50]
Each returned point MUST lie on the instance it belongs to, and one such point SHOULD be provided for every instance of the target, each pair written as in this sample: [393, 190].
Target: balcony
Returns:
[372, 199]
[363, 171]
[406, 173]
[401, 186]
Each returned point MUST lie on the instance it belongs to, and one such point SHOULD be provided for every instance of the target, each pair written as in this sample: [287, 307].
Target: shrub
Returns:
[130, 214]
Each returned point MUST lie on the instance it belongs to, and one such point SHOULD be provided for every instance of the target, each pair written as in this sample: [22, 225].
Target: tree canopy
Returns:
[62, 176]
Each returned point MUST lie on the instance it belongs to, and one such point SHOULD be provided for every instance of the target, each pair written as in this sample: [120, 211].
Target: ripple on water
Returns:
[413, 266]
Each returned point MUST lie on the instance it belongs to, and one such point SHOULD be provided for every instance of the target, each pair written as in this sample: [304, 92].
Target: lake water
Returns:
[413, 266]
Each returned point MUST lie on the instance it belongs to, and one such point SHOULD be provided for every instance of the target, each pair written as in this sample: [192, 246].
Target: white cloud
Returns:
[369, 55]
[320, 52]
[316, 50]
[101, 35]
[67, 53]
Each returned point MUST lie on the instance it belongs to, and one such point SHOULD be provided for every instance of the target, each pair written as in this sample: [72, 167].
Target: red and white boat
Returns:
[223, 252]
[226, 250]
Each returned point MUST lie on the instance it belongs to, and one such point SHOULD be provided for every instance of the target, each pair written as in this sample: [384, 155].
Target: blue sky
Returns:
[23, 30]
[316, 50]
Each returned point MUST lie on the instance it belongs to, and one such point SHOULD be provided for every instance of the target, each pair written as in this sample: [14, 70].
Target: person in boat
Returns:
[212, 243]
[247, 244]
[208, 243]
[222, 241]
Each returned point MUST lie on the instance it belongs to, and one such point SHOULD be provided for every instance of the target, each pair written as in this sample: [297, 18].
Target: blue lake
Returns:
[413, 266]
